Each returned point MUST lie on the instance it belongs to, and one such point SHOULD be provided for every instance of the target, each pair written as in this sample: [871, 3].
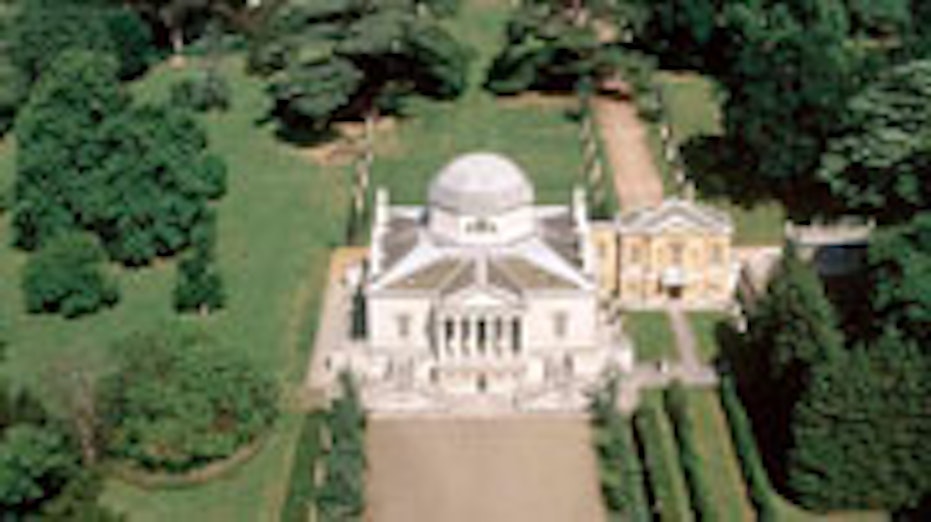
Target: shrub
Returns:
[199, 285]
[176, 403]
[676, 403]
[67, 277]
[620, 472]
[341, 497]
[301, 488]
[202, 93]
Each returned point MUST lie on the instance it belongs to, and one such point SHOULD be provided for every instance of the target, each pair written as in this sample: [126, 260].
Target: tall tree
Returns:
[877, 162]
[792, 329]
[789, 71]
[356, 59]
[67, 276]
[860, 430]
[57, 184]
[900, 278]
[547, 50]
[880, 17]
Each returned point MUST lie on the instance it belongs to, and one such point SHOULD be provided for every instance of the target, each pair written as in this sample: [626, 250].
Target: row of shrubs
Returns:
[333, 441]
[675, 400]
[619, 469]
[302, 483]
[751, 463]
[667, 485]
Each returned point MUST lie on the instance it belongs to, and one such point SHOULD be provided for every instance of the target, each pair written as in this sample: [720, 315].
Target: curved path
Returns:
[637, 181]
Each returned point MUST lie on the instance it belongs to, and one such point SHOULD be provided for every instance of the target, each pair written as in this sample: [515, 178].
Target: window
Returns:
[676, 251]
[482, 335]
[449, 330]
[480, 226]
[560, 324]
[717, 255]
[634, 254]
[515, 336]
[404, 325]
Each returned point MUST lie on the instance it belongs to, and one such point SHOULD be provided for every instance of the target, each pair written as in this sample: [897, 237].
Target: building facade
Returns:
[481, 292]
[678, 252]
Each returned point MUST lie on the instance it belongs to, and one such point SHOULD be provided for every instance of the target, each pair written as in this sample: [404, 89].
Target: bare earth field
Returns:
[490, 470]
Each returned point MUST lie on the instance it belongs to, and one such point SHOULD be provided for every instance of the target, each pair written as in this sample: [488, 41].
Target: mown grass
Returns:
[661, 460]
[693, 109]
[536, 131]
[717, 456]
[704, 325]
[276, 226]
[652, 336]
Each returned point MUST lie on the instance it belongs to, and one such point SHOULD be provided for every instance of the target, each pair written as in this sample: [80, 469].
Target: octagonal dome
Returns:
[481, 184]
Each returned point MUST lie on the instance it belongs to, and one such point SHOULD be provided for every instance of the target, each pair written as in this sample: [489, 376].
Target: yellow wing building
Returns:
[679, 251]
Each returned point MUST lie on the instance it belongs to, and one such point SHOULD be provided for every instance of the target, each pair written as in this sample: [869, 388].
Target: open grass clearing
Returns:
[652, 336]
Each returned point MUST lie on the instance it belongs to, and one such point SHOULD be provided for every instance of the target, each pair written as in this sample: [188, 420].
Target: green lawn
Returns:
[652, 336]
[533, 130]
[276, 226]
[704, 325]
[692, 104]
[718, 457]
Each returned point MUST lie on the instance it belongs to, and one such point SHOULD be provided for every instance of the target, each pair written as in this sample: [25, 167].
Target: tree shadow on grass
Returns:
[719, 171]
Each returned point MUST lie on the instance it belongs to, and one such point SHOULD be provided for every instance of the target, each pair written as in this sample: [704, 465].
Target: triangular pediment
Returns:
[678, 216]
[481, 297]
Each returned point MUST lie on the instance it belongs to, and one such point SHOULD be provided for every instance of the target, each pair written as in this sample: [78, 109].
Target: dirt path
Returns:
[636, 178]
[489, 470]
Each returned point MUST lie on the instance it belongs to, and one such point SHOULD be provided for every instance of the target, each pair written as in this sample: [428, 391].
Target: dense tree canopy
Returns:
[347, 59]
[138, 177]
[175, 402]
[878, 161]
[41, 476]
[548, 47]
[789, 72]
[861, 430]
[42, 29]
[57, 134]
[900, 273]
[67, 276]
[880, 17]
[792, 328]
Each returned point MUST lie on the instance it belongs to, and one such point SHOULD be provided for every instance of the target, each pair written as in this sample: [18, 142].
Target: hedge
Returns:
[676, 403]
[619, 468]
[301, 486]
[670, 493]
[761, 489]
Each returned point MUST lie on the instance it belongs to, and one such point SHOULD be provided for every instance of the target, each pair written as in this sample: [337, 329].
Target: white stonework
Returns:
[480, 298]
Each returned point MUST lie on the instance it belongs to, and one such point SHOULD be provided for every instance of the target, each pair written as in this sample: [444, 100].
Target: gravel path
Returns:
[636, 178]
[539, 469]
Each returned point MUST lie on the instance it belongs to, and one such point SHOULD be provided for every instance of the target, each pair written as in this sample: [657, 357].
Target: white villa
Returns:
[481, 293]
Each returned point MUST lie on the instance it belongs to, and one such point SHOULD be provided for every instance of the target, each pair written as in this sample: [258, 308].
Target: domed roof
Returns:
[481, 184]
